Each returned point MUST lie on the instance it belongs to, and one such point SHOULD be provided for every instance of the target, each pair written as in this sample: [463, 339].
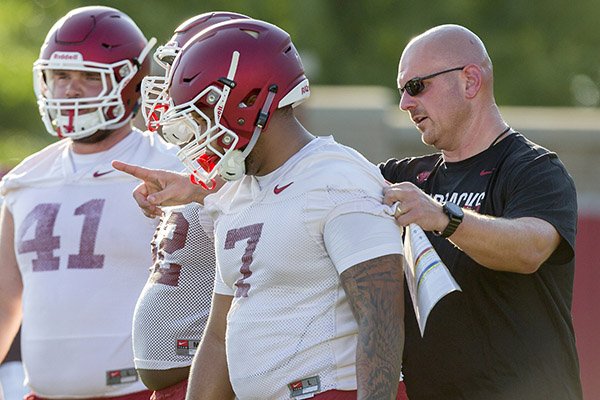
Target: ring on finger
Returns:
[397, 210]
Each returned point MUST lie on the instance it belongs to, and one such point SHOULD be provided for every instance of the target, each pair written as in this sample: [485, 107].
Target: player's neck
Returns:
[111, 139]
[282, 143]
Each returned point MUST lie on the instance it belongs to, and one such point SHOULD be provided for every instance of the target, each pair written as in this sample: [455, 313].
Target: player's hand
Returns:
[415, 206]
[162, 188]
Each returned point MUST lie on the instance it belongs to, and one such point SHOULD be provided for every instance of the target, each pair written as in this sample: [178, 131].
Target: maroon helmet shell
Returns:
[103, 35]
[154, 97]
[267, 59]
[194, 25]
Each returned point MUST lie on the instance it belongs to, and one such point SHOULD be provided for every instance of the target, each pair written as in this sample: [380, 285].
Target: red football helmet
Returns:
[241, 71]
[154, 88]
[99, 40]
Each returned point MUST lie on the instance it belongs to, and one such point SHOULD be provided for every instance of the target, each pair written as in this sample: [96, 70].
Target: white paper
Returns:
[427, 276]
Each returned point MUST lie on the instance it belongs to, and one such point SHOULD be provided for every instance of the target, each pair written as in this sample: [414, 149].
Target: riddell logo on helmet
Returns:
[219, 112]
[66, 56]
[305, 89]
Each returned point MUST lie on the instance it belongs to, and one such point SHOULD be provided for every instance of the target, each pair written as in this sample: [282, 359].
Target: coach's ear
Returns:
[473, 78]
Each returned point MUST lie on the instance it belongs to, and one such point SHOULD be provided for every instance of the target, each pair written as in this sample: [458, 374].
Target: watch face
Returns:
[456, 214]
[454, 209]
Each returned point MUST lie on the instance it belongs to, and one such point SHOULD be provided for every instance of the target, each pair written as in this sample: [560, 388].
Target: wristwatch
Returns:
[456, 215]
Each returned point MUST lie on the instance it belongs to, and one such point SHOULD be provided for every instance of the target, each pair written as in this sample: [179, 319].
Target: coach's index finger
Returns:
[136, 171]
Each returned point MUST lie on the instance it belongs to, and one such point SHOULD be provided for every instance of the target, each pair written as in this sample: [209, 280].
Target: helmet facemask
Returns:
[91, 40]
[155, 99]
[212, 147]
[83, 116]
[80, 117]
[239, 73]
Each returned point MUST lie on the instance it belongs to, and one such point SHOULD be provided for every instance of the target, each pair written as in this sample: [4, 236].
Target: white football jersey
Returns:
[83, 249]
[290, 329]
[172, 310]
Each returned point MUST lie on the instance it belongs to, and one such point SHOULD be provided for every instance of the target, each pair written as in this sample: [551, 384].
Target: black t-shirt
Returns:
[506, 335]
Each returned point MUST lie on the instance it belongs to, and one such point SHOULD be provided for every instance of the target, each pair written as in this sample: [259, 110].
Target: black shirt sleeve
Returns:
[541, 188]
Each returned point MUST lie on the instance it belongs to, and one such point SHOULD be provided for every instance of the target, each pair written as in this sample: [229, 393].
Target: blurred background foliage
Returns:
[545, 52]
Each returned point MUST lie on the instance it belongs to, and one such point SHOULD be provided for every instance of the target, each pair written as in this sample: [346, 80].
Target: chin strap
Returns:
[153, 116]
[263, 116]
[233, 166]
[210, 186]
[76, 125]
[207, 163]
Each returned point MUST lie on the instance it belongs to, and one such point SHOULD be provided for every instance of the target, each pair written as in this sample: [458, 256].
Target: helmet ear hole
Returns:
[250, 98]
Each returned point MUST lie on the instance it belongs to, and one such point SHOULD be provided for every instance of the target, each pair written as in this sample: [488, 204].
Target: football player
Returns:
[173, 307]
[74, 250]
[308, 297]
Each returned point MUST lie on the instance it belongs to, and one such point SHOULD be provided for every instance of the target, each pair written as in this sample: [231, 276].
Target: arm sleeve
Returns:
[545, 190]
[220, 286]
[357, 237]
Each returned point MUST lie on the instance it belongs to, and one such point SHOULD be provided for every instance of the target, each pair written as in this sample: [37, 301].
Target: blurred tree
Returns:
[545, 52]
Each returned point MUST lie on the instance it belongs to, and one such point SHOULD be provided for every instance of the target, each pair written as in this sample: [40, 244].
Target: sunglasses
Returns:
[416, 86]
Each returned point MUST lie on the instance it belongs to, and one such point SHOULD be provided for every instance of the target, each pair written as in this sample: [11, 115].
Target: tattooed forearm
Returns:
[375, 290]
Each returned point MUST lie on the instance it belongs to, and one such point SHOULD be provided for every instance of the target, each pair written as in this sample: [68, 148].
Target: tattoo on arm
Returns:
[375, 291]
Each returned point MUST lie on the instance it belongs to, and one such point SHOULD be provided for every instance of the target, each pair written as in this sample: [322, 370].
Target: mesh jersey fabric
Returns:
[82, 247]
[173, 307]
[290, 319]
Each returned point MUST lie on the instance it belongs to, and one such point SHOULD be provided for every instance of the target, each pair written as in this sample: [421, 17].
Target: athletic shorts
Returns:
[174, 392]
[143, 395]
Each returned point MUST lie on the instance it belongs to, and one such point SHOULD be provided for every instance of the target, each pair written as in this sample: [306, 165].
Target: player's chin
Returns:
[96, 137]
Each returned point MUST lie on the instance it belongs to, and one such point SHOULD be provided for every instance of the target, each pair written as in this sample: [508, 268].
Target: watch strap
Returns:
[454, 217]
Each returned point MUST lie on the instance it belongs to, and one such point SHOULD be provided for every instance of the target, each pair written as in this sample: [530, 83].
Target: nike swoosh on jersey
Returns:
[98, 174]
[278, 189]
[486, 172]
